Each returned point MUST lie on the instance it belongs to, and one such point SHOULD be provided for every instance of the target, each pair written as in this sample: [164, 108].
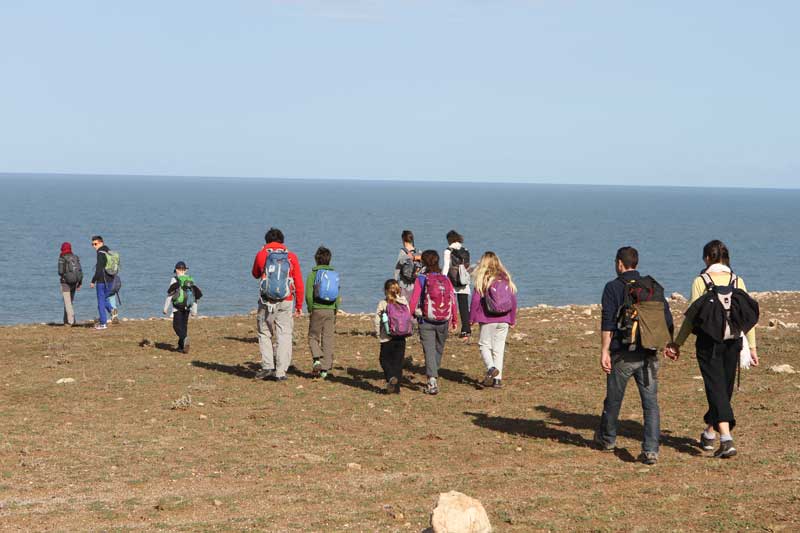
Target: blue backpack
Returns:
[326, 286]
[276, 286]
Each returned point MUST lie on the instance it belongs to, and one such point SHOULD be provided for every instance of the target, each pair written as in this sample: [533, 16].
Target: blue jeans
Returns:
[645, 372]
[103, 306]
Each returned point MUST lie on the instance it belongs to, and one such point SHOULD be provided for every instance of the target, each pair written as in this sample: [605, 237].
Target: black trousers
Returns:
[392, 354]
[463, 312]
[718, 364]
[180, 323]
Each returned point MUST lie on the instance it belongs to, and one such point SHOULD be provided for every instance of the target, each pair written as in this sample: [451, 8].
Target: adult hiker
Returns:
[456, 263]
[281, 282]
[105, 270]
[723, 317]
[434, 303]
[408, 264]
[635, 322]
[71, 276]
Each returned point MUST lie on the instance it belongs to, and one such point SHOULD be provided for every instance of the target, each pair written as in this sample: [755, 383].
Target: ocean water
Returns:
[558, 241]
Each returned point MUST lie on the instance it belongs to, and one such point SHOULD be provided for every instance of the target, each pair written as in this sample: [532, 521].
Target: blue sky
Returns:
[684, 93]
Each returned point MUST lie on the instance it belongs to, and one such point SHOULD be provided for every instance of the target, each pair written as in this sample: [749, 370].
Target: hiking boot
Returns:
[649, 458]
[706, 444]
[100, 326]
[433, 387]
[601, 444]
[281, 378]
[488, 379]
[498, 384]
[265, 374]
[316, 368]
[725, 450]
[393, 386]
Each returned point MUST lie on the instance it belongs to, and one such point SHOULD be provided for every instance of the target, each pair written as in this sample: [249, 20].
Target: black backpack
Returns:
[641, 322]
[73, 274]
[408, 268]
[724, 312]
[459, 257]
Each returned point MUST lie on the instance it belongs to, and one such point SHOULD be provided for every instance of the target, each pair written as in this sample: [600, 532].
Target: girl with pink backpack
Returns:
[434, 303]
[494, 307]
[393, 323]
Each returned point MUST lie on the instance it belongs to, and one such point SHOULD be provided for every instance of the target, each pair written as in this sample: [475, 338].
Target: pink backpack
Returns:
[437, 303]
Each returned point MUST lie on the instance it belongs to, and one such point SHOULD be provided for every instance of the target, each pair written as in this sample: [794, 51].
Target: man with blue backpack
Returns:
[280, 283]
[322, 303]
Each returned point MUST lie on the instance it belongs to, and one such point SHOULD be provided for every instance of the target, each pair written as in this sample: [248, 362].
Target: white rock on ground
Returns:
[458, 513]
[677, 297]
[783, 369]
[65, 380]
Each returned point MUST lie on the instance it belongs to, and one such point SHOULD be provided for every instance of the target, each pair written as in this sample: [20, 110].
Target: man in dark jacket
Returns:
[620, 363]
[102, 282]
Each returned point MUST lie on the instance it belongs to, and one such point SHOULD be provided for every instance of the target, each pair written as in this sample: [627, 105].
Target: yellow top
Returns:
[698, 289]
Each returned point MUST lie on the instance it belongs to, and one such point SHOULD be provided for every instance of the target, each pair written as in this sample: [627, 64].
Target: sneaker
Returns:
[316, 368]
[706, 444]
[323, 374]
[601, 444]
[649, 458]
[281, 378]
[725, 450]
[488, 379]
[433, 387]
[186, 345]
[265, 374]
[498, 384]
[115, 316]
[464, 336]
[100, 326]
[393, 386]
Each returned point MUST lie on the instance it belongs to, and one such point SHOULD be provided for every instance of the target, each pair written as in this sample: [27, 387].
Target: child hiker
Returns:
[322, 302]
[393, 323]
[183, 294]
[494, 307]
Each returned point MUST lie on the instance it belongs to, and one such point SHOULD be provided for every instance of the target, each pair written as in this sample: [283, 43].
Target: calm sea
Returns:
[558, 241]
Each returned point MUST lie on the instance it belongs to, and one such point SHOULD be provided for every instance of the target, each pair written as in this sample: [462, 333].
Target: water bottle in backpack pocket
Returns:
[326, 286]
[276, 285]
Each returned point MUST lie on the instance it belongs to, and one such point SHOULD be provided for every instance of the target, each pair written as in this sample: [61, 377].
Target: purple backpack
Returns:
[437, 302]
[400, 322]
[499, 298]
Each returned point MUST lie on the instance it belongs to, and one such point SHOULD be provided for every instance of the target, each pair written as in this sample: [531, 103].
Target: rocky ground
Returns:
[116, 431]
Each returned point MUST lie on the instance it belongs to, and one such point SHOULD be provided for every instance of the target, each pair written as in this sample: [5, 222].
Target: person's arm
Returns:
[446, 261]
[513, 311]
[668, 318]
[698, 289]
[61, 266]
[605, 350]
[453, 305]
[297, 277]
[99, 268]
[608, 325]
[415, 296]
[377, 318]
[474, 306]
[197, 293]
[310, 291]
[258, 264]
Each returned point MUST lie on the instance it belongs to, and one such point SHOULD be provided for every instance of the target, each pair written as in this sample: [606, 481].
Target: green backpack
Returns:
[184, 296]
[112, 263]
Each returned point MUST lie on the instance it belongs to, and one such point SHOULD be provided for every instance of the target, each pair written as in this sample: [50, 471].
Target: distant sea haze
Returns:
[558, 241]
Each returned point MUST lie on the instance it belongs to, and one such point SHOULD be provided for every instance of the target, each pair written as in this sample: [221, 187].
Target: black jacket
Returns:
[100, 275]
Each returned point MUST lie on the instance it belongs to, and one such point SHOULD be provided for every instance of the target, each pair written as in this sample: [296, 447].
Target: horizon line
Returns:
[500, 181]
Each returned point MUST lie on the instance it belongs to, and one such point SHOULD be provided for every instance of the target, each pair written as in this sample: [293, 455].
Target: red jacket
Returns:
[297, 276]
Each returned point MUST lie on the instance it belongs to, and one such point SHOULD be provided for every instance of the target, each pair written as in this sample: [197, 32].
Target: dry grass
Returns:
[147, 438]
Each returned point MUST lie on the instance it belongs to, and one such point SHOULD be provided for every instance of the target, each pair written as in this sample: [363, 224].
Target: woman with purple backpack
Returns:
[494, 307]
[393, 323]
[434, 303]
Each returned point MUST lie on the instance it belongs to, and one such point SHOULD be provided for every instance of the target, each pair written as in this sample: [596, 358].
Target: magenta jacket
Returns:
[477, 312]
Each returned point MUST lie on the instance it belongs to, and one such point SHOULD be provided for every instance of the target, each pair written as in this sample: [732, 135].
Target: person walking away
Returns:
[456, 262]
[105, 270]
[280, 283]
[408, 264]
[71, 276]
[723, 317]
[434, 302]
[494, 308]
[183, 294]
[636, 320]
[393, 323]
[322, 303]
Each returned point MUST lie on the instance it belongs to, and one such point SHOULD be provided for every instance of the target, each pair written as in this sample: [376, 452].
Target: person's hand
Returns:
[164, 311]
[605, 361]
[298, 313]
[91, 285]
[78, 288]
[754, 356]
[672, 351]
[453, 326]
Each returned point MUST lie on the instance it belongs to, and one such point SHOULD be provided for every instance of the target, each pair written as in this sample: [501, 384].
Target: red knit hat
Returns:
[66, 248]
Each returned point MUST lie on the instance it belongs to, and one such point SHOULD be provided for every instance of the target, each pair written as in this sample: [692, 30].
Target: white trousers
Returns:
[492, 343]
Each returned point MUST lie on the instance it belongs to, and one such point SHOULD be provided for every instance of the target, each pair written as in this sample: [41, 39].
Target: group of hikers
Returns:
[431, 293]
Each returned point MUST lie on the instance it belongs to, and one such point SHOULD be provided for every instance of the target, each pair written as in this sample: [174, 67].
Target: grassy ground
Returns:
[147, 438]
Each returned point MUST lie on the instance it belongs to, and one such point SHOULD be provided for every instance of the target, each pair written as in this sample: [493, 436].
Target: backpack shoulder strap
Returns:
[734, 280]
[709, 283]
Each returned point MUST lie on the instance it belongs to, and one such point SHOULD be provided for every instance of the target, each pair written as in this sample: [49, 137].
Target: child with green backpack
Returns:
[183, 294]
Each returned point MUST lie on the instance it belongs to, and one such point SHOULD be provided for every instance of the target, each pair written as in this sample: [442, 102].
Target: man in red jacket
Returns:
[276, 319]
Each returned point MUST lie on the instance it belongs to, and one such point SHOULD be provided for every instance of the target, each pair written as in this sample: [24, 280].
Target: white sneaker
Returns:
[100, 326]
